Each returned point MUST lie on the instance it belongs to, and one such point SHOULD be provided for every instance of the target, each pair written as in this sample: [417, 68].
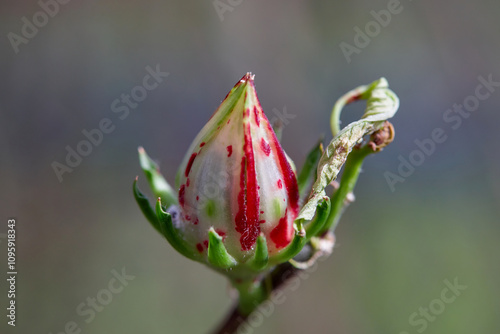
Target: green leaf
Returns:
[382, 104]
[157, 182]
[217, 252]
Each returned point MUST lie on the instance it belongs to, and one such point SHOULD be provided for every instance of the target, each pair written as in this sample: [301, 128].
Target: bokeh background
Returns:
[394, 249]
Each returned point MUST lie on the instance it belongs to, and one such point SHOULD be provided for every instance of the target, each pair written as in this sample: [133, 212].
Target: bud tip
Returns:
[248, 77]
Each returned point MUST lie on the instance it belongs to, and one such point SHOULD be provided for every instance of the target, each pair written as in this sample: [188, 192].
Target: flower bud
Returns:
[235, 204]
[236, 180]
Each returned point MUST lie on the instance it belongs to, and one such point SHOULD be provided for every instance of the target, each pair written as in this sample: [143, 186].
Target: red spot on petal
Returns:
[190, 164]
[221, 233]
[262, 212]
[202, 144]
[196, 221]
[199, 247]
[205, 243]
[282, 234]
[247, 218]
[280, 184]
[182, 192]
[229, 120]
[229, 150]
[187, 182]
[265, 147]
[197, 198]
[188, 218]
[256, 113]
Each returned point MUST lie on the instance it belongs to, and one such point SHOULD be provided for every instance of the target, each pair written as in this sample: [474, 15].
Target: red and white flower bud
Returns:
[237, 179]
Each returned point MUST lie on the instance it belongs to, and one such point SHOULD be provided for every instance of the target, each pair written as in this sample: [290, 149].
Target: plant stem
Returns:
[280, 275]
[252, 294]
[339, 200]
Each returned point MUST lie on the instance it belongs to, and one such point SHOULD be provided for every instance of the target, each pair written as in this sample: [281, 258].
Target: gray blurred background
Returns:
[396, 246]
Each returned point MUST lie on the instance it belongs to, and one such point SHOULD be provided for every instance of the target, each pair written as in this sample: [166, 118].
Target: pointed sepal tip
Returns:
[260, 258]
[217, 252]
[171, 233]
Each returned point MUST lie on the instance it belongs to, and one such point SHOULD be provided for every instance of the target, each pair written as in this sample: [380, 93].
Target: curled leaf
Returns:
[381, 104]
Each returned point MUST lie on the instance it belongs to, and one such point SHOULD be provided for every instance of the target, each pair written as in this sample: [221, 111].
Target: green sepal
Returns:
[157, 182]
[217, 252]
[322, 213]
[308, 173]
[146, 208]
[260, 258]
[298, 242]
[172, 235]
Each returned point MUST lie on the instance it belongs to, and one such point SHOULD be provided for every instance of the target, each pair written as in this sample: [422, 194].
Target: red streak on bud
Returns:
[280, 184]
[182, 192]
[202, 144]
[229, 150]
[247, 218]
[256, 113]
[190, 164]
[281, 235]
[199, 247]
[265, 147]
[187, 182]
[289, 176]
[229, 120]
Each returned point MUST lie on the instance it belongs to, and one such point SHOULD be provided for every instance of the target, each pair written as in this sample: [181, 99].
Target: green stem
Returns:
[251, 295]
[350, 176]
[274, 280]
[361, 92]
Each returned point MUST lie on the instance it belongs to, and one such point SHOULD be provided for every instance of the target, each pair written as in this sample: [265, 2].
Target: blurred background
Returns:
[398, 246]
